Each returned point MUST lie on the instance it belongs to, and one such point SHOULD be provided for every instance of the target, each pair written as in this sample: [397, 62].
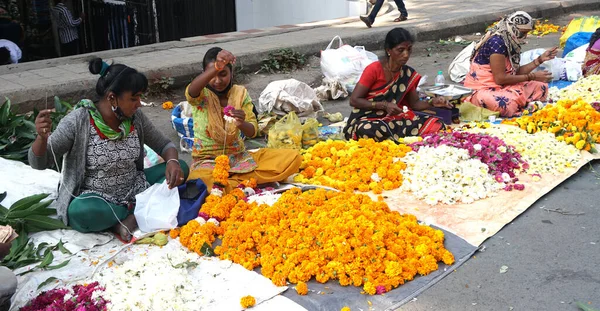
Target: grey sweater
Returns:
[70, 139]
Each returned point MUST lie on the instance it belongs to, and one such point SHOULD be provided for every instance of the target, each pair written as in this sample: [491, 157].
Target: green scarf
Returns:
[124, 127]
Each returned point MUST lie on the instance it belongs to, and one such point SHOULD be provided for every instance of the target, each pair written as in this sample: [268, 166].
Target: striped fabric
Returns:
[67, 26]
[184, 127]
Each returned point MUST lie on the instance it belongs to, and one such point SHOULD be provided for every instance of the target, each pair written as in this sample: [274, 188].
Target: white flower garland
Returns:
[587, 89]
[541, 150]
[447, 175]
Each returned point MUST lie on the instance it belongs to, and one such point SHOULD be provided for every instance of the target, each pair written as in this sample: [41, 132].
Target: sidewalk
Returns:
[28, 84]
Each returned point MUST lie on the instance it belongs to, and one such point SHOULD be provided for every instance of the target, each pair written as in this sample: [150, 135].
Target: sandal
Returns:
[366, 20]
[401, 19]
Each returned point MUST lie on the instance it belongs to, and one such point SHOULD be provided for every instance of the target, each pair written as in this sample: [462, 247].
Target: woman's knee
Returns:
[92, 214]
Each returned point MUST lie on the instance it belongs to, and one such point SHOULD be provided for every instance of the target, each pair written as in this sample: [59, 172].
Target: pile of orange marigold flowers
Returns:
[363, 165]
[331, 235]
[543, 28]
[574, 121]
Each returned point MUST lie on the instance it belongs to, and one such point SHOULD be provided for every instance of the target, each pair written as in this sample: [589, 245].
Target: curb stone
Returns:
[187, 62]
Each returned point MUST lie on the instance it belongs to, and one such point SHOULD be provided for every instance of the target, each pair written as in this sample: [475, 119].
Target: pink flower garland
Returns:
[503, 160]
[227, 111]
[81, 299]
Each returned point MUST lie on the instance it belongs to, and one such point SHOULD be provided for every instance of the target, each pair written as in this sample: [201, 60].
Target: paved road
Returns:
[33, 82]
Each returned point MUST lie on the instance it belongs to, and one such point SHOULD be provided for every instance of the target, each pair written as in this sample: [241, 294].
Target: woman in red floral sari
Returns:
[385, 96]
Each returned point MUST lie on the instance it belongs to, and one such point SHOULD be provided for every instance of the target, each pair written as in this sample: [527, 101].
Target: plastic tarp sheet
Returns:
[333, 296]
[225, 283]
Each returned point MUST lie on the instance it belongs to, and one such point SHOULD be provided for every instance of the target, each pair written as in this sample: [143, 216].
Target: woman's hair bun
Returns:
[95, 65]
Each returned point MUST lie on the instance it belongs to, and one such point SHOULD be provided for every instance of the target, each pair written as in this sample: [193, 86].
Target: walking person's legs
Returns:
[402, 9]
[370, 19]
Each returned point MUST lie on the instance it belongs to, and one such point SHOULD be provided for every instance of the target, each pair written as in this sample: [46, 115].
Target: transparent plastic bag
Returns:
[310, 133]
[286, 133]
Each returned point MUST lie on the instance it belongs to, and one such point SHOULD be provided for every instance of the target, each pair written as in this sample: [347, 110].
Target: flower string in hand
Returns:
[227, 114]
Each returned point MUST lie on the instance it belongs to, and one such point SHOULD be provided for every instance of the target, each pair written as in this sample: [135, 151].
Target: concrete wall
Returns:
[252, 14]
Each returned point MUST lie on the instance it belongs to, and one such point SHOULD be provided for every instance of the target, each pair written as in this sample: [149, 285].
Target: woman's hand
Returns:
[548, 55]
[542, 76]
[239, 116]
[225, 57]
[174, 174]
[441, 102]
[43, 124]
[392, 109]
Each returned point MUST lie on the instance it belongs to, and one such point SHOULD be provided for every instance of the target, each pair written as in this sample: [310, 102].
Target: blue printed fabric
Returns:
[494, 45]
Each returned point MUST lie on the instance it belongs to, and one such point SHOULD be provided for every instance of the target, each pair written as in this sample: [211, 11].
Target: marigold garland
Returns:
[193, 235]
[221, 171]
[301, 288]
[331, 235]
[573, 121]
[219, 207]
[167, 105]
[249, 183]
[174, 233]
[247, 301]
[543, 28]
[363, 165]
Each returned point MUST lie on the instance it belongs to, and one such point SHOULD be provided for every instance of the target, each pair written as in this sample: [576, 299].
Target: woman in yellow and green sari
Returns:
[217, 132]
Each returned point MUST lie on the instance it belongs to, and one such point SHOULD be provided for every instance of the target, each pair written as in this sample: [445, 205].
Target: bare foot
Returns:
[126, 229]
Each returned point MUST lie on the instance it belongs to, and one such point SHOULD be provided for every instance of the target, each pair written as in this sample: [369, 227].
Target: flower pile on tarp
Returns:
[575, 122]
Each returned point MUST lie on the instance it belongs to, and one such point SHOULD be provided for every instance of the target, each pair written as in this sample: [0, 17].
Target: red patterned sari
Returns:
[372, 123]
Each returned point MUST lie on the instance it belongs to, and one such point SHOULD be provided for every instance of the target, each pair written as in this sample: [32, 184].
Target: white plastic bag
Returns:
[156, 208]
[284, 96]
[459, 68]
[345, 63]
[572, 70]
[578, 54]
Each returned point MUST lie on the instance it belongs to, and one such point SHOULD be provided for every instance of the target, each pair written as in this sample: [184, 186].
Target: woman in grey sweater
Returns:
[102, 145]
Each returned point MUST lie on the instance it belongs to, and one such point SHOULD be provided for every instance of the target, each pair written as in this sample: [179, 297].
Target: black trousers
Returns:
[70, 48]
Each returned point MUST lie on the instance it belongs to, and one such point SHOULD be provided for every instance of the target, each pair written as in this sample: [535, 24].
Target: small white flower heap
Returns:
[158, 281]
[447, 175]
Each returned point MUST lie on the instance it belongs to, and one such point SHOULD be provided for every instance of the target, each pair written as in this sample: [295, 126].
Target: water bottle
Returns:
[440, 80]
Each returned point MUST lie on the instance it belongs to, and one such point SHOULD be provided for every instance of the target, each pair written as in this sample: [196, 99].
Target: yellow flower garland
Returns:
[247, 302]
[221, 171]
[543, 28]
[193, 235]
[573, 121]
[167, 105]
[331, 236]
[351, 165]
[301, 288]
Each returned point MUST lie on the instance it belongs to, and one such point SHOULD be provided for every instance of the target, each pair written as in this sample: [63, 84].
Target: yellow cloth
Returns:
[470, 112]
[580, 24]
[274, 165]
